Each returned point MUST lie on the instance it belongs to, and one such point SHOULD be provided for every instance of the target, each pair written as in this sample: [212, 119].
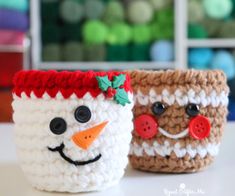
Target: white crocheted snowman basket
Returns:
[72, 129]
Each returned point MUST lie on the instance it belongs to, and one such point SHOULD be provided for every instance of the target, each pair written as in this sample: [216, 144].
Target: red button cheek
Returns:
[146, 126]
[199, 127]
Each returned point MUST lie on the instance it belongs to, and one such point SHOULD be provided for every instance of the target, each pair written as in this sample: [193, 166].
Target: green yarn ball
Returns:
[141, 34]
[119, 33]
[50, 11]
[218, 9]
[94, 52]
[195, 11]
[164, 16]
[113, 13]
[72, 51]
[139, 52]
[227, 29]
[117, 53]
[71, 32]
[51, 52]
[94, 9]
[71, 11]
[197, 31]
[140, 12]
[94, 32]
[161, 4]
[162, 31]
[51, 34]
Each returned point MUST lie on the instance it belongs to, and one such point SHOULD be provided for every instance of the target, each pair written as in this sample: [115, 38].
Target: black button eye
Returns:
[58, 126]
[158, 108]
[192, 109]
[82, 114]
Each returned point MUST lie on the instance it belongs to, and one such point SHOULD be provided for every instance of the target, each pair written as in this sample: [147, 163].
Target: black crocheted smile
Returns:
[60, 148]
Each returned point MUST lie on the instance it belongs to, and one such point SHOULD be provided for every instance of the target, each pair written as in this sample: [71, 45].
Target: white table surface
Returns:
[218, 179]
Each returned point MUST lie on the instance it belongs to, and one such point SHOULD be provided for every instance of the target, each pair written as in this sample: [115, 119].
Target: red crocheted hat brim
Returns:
[52, 82]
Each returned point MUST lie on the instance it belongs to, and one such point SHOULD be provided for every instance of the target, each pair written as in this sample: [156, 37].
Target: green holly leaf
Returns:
[121, 97]
[118, 80]
[103, 82]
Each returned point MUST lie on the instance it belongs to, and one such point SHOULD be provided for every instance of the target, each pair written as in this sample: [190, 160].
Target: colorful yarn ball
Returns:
[195, 11]
[51, 33]
[162, 31]
[139, 52]
[119, 33]
[162, 51]
[114, 12]
[164, 16]
[94, 52]
[94, 32]
[72, 51]
[51, 52]
[231, 106]
[71, 11]
[211, 26]
[197, 31]
[94, 9]
[117, 53]
[140, 12]
[224, 60]
[71, 32]
[200, 58]
[218, 9]
[141, 34]
[227, 29]
[161, 4]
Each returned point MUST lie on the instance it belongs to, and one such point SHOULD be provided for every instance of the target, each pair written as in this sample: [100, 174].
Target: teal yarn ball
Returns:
[140, 12]
[20, 5]
[139, 52]
[141, 34]
[71, 32]
[71, 11]
[162, 51]
[94, 9]
[218, 9]
[197, 31]
[95, 32]
[200, 58]
[161, 4]
[196, 11]
[72, 51]
[113, 13]
[224, 60]
[94, 52]
[51, 52]
[117, 53]
[119, 33]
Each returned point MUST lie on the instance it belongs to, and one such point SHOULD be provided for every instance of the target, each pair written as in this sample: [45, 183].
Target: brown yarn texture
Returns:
[175, 119]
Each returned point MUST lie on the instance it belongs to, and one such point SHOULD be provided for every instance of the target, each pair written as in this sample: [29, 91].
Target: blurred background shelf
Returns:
[213, 43]
[105, 65]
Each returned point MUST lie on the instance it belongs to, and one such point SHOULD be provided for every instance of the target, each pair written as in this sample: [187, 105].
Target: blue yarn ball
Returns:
[200, 58]
[162, 50]
[224, 60]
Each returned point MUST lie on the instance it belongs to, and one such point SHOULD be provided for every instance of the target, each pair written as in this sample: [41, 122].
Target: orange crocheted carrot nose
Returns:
[85, 138]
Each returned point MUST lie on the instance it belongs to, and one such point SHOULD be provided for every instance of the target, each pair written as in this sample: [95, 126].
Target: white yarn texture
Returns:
[47, 170]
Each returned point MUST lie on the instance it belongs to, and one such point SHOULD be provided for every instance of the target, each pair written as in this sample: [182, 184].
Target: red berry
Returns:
[110, 92]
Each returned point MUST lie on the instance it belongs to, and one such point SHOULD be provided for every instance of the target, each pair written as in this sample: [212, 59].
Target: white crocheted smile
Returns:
[175, 136]
[166, 149]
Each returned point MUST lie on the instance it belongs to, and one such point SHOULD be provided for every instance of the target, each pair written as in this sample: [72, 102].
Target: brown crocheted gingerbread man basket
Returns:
[178, 119]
